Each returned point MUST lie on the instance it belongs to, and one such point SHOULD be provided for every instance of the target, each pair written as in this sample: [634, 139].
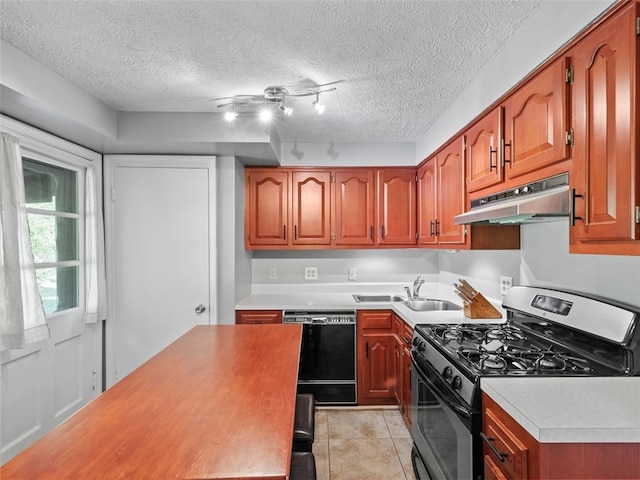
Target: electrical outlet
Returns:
[310, 273]
[505, 284]
[273, 273]
[353, 274]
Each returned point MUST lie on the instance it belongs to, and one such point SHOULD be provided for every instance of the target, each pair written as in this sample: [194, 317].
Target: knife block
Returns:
[480, 307]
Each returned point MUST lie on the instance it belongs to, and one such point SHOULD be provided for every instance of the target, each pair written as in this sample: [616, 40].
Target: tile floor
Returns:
[358, 444]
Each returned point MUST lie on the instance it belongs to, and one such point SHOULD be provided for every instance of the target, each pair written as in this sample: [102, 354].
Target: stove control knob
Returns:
[422, 347]
[447, 372]
[456, 382]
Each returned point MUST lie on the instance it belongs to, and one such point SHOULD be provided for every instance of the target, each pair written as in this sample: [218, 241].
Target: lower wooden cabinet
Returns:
[258, 316]
[376, 347]
[511, 453]
[384, 360]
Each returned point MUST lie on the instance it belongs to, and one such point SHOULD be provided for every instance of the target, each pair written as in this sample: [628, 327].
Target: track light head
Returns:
[319, 107]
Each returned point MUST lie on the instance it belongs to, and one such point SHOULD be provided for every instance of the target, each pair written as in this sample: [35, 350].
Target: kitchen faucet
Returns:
[415, 293]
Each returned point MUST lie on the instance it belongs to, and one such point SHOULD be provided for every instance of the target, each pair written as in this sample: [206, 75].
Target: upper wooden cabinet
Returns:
[606, 171]
[266, 207]
[484, 153]
[397, 206]
[442, 196]
[354, 207]
[311, 207]
[536, 126]
[340, 208]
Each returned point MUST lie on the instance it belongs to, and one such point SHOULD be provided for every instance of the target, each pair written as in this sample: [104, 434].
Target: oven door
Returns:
[444, 429]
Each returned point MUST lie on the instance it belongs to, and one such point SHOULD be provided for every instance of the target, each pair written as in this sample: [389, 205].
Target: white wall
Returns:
[352, 154]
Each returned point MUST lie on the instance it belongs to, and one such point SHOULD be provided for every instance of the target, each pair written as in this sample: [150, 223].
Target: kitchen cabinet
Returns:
[483, 153]
[354, 207]
[524, 457]
[403, 334]
[376, 347]
[266, 207]
[397, 206]
[606, 169]
[311, 207]
[244, 317]
[442, 197]
[536, 127]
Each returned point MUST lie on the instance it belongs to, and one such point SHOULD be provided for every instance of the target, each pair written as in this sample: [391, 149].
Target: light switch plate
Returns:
[353, 274]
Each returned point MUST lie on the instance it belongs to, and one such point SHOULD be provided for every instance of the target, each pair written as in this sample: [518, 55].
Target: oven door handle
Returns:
[444, 396]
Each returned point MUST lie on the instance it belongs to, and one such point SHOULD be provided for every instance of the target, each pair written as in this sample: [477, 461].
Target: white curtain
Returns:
[22, 317]
[96, 308]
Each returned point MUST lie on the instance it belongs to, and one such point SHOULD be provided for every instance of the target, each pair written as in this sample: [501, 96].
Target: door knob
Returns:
[200, 309]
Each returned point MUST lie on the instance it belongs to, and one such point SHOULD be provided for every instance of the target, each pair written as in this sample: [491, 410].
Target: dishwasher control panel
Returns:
[322, 317]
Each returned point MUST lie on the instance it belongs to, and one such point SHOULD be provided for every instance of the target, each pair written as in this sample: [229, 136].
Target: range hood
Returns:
[542, 201]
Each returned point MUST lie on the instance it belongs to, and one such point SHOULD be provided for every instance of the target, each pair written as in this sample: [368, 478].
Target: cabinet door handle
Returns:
[431, 223]
[295, 232]
[371, 232]
[491, 152]
[284, 232]
[366, 349]
[572, 208]
[489, 441]
[382, 232]
[504, 155]
[437, 228]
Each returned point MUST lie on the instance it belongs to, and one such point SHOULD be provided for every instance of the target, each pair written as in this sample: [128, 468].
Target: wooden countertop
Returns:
[218, 403]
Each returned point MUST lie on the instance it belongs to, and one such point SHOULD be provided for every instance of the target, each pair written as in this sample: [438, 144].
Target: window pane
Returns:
[48, 187]
[58, 288]
[53, 239]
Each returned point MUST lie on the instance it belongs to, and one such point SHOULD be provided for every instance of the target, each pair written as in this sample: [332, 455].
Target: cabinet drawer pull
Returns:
[491, 152]
[492, 447]
[504, 155]
[572, 208]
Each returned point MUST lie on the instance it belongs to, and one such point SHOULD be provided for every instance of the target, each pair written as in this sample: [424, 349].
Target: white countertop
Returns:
[571, 409]
[291, 297]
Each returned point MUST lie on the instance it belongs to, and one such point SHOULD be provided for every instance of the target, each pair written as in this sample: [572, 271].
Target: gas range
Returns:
[547, 332]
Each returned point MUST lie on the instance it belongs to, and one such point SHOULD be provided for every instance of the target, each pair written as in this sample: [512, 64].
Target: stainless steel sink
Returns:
[430, 305]
[363, 298]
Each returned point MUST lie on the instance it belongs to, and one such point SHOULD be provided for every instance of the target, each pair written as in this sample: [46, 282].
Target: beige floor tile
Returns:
[321, 454]
[357, 424]
[395, 422]
[364, 458]
[403, 447]
[321, 429]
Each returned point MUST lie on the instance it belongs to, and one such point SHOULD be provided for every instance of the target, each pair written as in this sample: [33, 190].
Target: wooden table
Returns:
[218, 403]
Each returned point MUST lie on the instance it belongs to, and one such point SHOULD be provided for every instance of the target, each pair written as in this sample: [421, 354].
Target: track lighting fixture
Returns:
[259, 104]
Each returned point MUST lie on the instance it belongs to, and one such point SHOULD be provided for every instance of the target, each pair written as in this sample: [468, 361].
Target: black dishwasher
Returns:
[328, 354]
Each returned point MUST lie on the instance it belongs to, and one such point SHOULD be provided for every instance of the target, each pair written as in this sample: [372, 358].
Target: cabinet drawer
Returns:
[508, 454]
[375, 320]
[258, 316]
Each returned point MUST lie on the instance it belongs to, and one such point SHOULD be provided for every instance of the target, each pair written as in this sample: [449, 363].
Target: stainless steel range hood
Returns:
[543, 201]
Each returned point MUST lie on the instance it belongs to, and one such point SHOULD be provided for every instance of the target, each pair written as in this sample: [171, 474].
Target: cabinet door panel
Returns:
[267, 207]
[450, 178]
[311, 208]
[354, 207]
[397, 211]
[536, 123]
[603, 102]
[427, 201]
[484, 157]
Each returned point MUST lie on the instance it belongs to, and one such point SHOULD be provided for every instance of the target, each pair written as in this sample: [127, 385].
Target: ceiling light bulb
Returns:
[230, 116]
[317, 105]
[286, 110]
[265, 115]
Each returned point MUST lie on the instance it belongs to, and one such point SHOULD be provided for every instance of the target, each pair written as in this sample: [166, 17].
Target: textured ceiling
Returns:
[402, 62]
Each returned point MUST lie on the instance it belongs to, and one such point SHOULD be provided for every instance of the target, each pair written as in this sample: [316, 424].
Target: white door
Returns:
[160, 254]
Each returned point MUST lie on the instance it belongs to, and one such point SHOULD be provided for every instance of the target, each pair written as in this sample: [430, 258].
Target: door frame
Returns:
[111, 162]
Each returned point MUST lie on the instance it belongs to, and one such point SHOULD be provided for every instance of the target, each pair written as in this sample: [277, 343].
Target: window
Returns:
[52, 194]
